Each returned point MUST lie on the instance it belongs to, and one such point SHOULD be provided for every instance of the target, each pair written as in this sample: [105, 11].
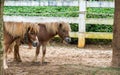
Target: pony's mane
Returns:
[19, 28]
[32, 26]
[52, 27]
[65, 26]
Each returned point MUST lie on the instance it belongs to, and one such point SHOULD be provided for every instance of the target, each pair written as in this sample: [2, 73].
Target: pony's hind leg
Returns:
[37, 53]
[6, 47]
[5, 66]
[7, 43]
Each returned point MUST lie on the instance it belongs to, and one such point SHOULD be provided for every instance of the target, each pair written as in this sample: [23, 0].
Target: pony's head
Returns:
[63, 31]
[32, 37]
[60, 28]
[31, 34]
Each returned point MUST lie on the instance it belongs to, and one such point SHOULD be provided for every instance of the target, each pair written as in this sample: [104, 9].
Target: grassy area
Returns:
[67, 11]
[100, 12]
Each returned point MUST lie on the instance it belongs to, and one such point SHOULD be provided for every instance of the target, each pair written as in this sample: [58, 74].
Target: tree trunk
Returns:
[1, 35]
[116, 36]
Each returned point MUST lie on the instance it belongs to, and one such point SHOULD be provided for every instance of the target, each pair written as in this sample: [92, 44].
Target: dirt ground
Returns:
[62, 59]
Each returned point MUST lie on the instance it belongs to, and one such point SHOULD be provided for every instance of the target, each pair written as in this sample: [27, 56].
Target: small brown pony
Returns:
[49, 30]
[14, 33]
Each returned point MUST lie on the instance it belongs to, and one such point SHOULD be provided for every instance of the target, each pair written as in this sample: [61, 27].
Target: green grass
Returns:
[67, 11]
[93, 27]
[41, 11]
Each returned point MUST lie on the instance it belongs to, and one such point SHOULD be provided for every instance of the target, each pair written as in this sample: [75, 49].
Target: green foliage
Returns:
[74, 27]
[93, 28]
[100, 12]
[42, 11]
[99, 28]
[67, 11]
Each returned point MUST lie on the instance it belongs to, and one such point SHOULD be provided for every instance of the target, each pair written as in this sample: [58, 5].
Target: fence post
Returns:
[82, 16]
[1, 37]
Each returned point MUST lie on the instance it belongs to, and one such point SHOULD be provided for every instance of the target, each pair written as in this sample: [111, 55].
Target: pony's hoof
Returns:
[30, 48]
[5, 67]
[17, 60]
[44, 63]
[33, 61]
[41, 63]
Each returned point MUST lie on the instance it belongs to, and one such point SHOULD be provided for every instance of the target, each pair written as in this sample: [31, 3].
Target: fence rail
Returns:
[106, 21]
[94, 35]
[59, 3]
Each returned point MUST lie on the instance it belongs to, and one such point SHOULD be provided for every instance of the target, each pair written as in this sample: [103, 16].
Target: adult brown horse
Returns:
[14, 32]
[49, 30]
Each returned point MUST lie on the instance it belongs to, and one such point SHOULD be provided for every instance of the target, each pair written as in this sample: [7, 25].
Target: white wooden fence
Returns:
[59, 3]
[81, 20]
[106, 21]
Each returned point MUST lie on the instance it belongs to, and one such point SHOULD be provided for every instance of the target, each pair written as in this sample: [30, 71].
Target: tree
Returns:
[116, 36]
[1, 34]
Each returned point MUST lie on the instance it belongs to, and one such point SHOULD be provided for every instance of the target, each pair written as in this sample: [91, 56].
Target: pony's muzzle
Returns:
[35, 43]
[68, 39]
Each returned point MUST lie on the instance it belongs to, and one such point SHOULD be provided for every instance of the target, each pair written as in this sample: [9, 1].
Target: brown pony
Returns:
[14, 33]
[48, 31]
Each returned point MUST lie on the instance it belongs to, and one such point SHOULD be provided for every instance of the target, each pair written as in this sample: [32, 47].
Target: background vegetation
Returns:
[67, 11]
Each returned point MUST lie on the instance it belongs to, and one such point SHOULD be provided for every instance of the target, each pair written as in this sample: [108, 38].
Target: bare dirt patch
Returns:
[65, 60]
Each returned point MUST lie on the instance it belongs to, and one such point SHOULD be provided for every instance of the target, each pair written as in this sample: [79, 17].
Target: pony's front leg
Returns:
[43, 52]
[29, 46]
[16, 53]
[37, 53]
